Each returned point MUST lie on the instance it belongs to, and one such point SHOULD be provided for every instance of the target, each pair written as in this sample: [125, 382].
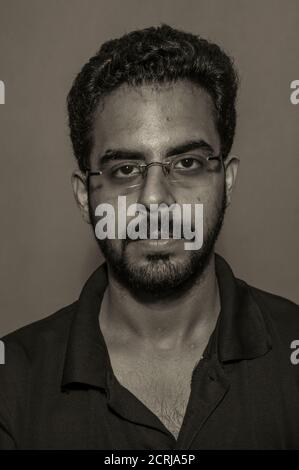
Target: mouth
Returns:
[159, 245]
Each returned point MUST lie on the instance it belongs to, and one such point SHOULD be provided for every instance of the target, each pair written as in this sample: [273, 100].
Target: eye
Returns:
[125, 170]
[189, 163]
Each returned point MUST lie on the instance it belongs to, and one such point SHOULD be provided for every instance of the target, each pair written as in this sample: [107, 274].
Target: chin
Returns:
[158, 275]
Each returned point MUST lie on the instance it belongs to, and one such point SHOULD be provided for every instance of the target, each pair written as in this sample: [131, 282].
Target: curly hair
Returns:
[154, 55]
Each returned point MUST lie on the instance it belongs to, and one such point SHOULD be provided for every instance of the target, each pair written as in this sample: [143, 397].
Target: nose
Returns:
[156, 188]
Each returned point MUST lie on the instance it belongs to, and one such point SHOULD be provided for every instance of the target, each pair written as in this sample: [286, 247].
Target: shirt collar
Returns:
[240, 333]
[87, 358]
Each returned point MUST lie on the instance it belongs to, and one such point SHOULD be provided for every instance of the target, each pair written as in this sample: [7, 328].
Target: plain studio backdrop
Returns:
[47, 251]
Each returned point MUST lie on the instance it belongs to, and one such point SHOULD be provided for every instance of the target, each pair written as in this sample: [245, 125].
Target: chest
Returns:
[163, 388]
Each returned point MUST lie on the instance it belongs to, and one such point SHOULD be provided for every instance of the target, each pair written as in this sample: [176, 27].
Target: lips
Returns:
[160, 245]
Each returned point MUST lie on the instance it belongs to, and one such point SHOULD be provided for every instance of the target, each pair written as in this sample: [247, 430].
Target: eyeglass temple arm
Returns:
[218, 157]
[89, 172]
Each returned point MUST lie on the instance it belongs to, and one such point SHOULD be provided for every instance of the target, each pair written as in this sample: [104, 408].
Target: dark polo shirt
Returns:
[58, 390]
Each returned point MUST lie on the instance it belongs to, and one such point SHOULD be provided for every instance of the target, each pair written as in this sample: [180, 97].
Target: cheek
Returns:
[211, 198]
[118, 207]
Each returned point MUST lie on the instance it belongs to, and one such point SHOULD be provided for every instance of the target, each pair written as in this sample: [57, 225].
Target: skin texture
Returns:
[158, 333]
[151, 120]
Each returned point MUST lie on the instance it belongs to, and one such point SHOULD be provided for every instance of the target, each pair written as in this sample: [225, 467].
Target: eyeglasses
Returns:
[123, 177]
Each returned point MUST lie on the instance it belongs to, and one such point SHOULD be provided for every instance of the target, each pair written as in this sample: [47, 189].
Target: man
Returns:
[165, 348]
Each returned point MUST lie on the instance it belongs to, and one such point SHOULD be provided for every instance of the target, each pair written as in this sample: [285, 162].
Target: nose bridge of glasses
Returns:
[155, 188]
[165, 166]
[155, 179]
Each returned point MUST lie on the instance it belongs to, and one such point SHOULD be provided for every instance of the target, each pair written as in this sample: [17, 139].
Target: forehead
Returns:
[150, 119]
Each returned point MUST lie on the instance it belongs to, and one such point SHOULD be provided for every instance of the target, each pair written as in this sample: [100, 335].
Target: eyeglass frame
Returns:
[145, 166]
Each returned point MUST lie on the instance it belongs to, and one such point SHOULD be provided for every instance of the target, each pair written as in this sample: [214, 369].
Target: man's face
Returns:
[150, 121]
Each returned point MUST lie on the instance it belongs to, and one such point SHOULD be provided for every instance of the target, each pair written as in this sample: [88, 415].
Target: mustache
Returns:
[169, 231]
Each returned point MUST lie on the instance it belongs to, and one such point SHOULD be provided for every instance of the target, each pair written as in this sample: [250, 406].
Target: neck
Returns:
[167, 324]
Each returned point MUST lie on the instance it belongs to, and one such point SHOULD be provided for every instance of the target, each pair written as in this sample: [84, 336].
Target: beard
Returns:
[161, 276]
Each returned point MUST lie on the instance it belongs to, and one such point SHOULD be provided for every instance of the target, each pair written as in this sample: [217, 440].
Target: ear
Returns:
[231, 164]
[79, 183]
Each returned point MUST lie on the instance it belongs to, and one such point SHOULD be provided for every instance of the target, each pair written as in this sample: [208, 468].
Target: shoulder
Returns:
[39, 341]
[33, 359]
[280, 312]
[29, 335]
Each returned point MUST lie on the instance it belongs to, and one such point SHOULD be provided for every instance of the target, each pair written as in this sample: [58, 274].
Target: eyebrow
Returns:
[126, 154]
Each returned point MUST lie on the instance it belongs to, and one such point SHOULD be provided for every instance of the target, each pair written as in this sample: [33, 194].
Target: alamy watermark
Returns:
[160, 221]
[295, 354]
[294, 97]
[2, 353]
[2, 92]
